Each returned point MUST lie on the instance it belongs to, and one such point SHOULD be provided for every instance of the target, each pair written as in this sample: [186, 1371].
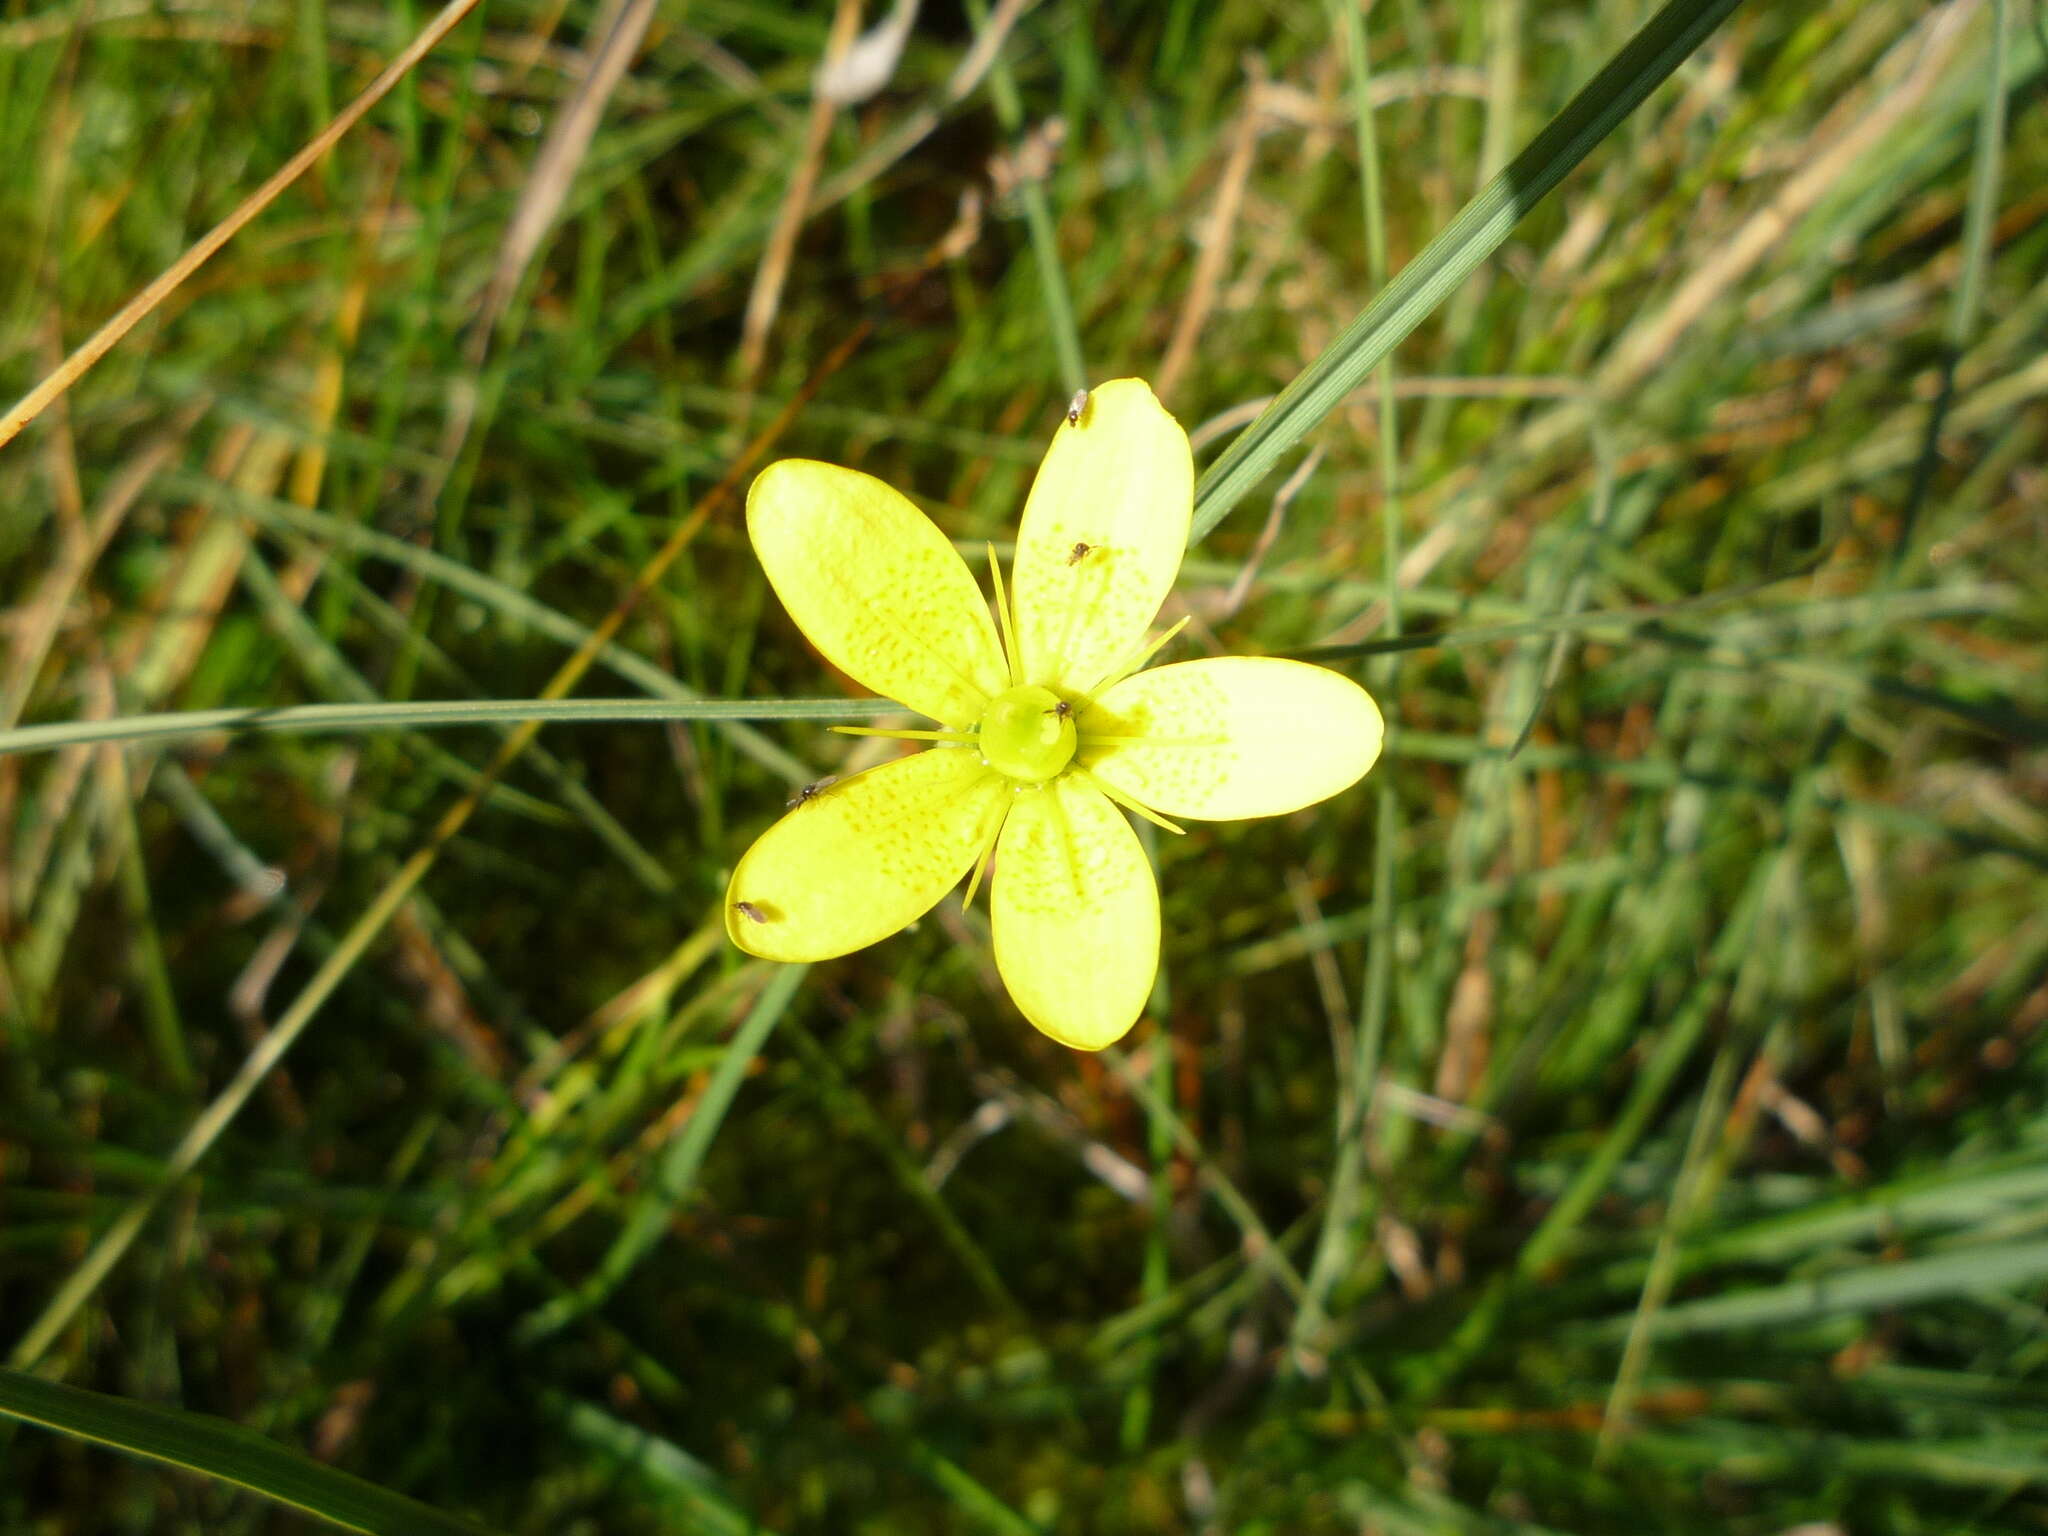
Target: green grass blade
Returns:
[1872, 1287]
[684, 1487]
[1986, 167]
[676, 1176]
[217, 1448]
[1643, 63]
[1045, 245]
[291, 719]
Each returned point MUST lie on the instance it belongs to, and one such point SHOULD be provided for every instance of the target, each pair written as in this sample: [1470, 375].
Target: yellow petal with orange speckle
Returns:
[876, 587]
[1076, 915]
[863, 857]
[1231, 737]
[1102, 537]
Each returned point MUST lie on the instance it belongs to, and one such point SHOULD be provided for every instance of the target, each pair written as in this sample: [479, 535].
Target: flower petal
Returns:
[862, 858]
[1237, 736]
[876, 587]
[1117, 486]
[1076, 915]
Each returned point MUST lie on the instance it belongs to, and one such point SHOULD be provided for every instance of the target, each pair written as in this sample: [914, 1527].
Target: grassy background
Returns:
[1642, 1130]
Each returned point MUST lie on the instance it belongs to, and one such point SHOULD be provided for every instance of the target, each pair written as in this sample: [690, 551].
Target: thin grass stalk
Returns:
[357, 719]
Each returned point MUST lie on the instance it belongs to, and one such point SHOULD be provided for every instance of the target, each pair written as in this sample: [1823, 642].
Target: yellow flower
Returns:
[1046, 728]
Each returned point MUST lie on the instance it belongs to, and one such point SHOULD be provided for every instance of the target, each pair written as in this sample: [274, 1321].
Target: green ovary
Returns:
[1027, 735]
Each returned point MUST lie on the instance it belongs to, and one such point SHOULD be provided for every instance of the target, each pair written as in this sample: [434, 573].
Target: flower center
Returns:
[1027, 733]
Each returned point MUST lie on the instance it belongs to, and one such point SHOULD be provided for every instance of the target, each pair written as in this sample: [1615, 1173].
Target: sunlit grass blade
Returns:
[217, 1448]
[1643, 63]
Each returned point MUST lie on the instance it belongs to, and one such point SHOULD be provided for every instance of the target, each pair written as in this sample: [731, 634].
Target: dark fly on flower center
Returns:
[811, 791]
[1064, 710]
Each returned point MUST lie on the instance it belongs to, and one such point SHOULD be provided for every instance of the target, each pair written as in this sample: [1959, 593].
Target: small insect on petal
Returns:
[1076, 406]
[1064, 710]
[814, 789]
[750, 912]
[1079, 552]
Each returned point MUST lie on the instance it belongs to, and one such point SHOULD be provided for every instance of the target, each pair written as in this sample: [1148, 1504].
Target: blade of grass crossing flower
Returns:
[352, 719]
[574, 794]
[328, 672]
[1644, 62]
[217, 1448]
[500, 598]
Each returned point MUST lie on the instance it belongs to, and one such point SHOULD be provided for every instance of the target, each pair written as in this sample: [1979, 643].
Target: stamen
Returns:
[1128, 803]
[987, 856]
[1140, 657]
[1093, 740]
[962, 738]
[1011, 651]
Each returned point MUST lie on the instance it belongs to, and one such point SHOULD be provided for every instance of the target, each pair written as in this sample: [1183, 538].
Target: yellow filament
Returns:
[1140, 657]
[987, 855]
[1091, 739]
[1128, 803]
[1011, 651]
